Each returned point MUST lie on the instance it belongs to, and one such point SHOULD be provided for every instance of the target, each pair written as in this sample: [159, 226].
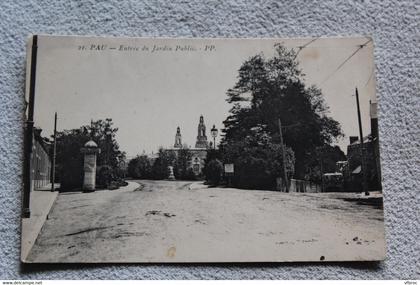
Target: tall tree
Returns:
[160, 166]
[272, 88]
[104, 134]
[323, 160]
[182, 163]
[258, 160]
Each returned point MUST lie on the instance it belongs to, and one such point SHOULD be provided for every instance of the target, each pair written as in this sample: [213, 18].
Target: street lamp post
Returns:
[108, 135]
[214, 135]
[54, 154]
[322, 169]
[29, 132]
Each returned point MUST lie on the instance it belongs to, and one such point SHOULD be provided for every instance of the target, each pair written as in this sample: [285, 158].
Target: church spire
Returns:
[178, 142]
[201, 137]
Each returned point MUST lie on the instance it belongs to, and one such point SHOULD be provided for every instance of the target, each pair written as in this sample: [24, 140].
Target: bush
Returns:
[113, 185]
[139, 167]
[122, 183]
[254, 173]
[71, 174]
[104, 176]
[214, 171]
[119, 173]
[160, 169]
[258, 160]
[258, 167]
[190, 175]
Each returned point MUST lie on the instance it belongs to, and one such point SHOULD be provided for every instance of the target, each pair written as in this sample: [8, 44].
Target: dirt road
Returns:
[175, 221]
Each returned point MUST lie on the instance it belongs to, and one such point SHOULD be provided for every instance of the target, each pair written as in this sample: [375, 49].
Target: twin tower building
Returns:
[201, 136]
[199, 153]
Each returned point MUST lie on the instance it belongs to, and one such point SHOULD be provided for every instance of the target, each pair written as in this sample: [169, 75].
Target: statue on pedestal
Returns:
[171, 173]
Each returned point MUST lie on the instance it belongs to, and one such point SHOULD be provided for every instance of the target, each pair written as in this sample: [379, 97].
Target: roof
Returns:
[333, 174]
[91, 144]
[44, 142]
[190, 148]
[365, 140]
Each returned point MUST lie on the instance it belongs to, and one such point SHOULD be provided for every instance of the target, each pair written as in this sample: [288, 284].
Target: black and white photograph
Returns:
[181, 150]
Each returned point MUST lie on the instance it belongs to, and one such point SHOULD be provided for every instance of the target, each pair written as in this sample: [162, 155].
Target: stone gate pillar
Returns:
[90, 150]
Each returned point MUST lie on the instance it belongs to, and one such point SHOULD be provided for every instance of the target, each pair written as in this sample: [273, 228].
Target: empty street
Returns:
[176, 221]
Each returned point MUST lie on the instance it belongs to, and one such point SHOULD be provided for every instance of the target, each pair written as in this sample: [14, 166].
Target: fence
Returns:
[40, 164]
[302, 186]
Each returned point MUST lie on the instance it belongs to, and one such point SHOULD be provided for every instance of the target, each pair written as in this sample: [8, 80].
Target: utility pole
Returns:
[283, 155]
[29, 132]
[362, 147]
[54, 154]
[322, 170]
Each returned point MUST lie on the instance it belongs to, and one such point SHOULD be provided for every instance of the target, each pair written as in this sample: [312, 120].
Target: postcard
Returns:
[184, 150]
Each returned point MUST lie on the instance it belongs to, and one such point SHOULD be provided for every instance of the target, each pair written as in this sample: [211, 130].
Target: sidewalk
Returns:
[129, 188]
[197, 185]
[41, 202]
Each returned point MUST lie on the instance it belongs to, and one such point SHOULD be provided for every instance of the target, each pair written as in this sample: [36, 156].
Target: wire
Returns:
[305, 45]
[346, 60]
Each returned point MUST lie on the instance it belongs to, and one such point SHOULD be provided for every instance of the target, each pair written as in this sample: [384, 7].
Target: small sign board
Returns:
[229, 169]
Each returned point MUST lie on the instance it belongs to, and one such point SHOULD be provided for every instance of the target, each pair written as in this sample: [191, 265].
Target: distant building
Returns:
[40, 161]
[201, 137]
[348, 174]
[178, 140]
[199, 153]
[371, 155]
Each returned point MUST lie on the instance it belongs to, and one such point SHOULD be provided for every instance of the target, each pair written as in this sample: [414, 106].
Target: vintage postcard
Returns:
[201, 150]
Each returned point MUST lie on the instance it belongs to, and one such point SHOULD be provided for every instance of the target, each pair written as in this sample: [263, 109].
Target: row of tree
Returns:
[144, 167]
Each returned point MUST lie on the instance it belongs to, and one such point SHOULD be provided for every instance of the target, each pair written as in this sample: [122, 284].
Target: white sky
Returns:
[149, 94]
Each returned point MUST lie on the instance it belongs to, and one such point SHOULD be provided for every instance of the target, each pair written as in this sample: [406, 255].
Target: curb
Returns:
[31, 227]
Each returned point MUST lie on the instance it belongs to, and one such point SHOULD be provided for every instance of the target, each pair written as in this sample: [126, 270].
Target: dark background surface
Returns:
[395, 30]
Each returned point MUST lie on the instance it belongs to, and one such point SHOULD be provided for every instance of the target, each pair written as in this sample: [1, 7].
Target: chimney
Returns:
[353, 139]
[374, 119]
